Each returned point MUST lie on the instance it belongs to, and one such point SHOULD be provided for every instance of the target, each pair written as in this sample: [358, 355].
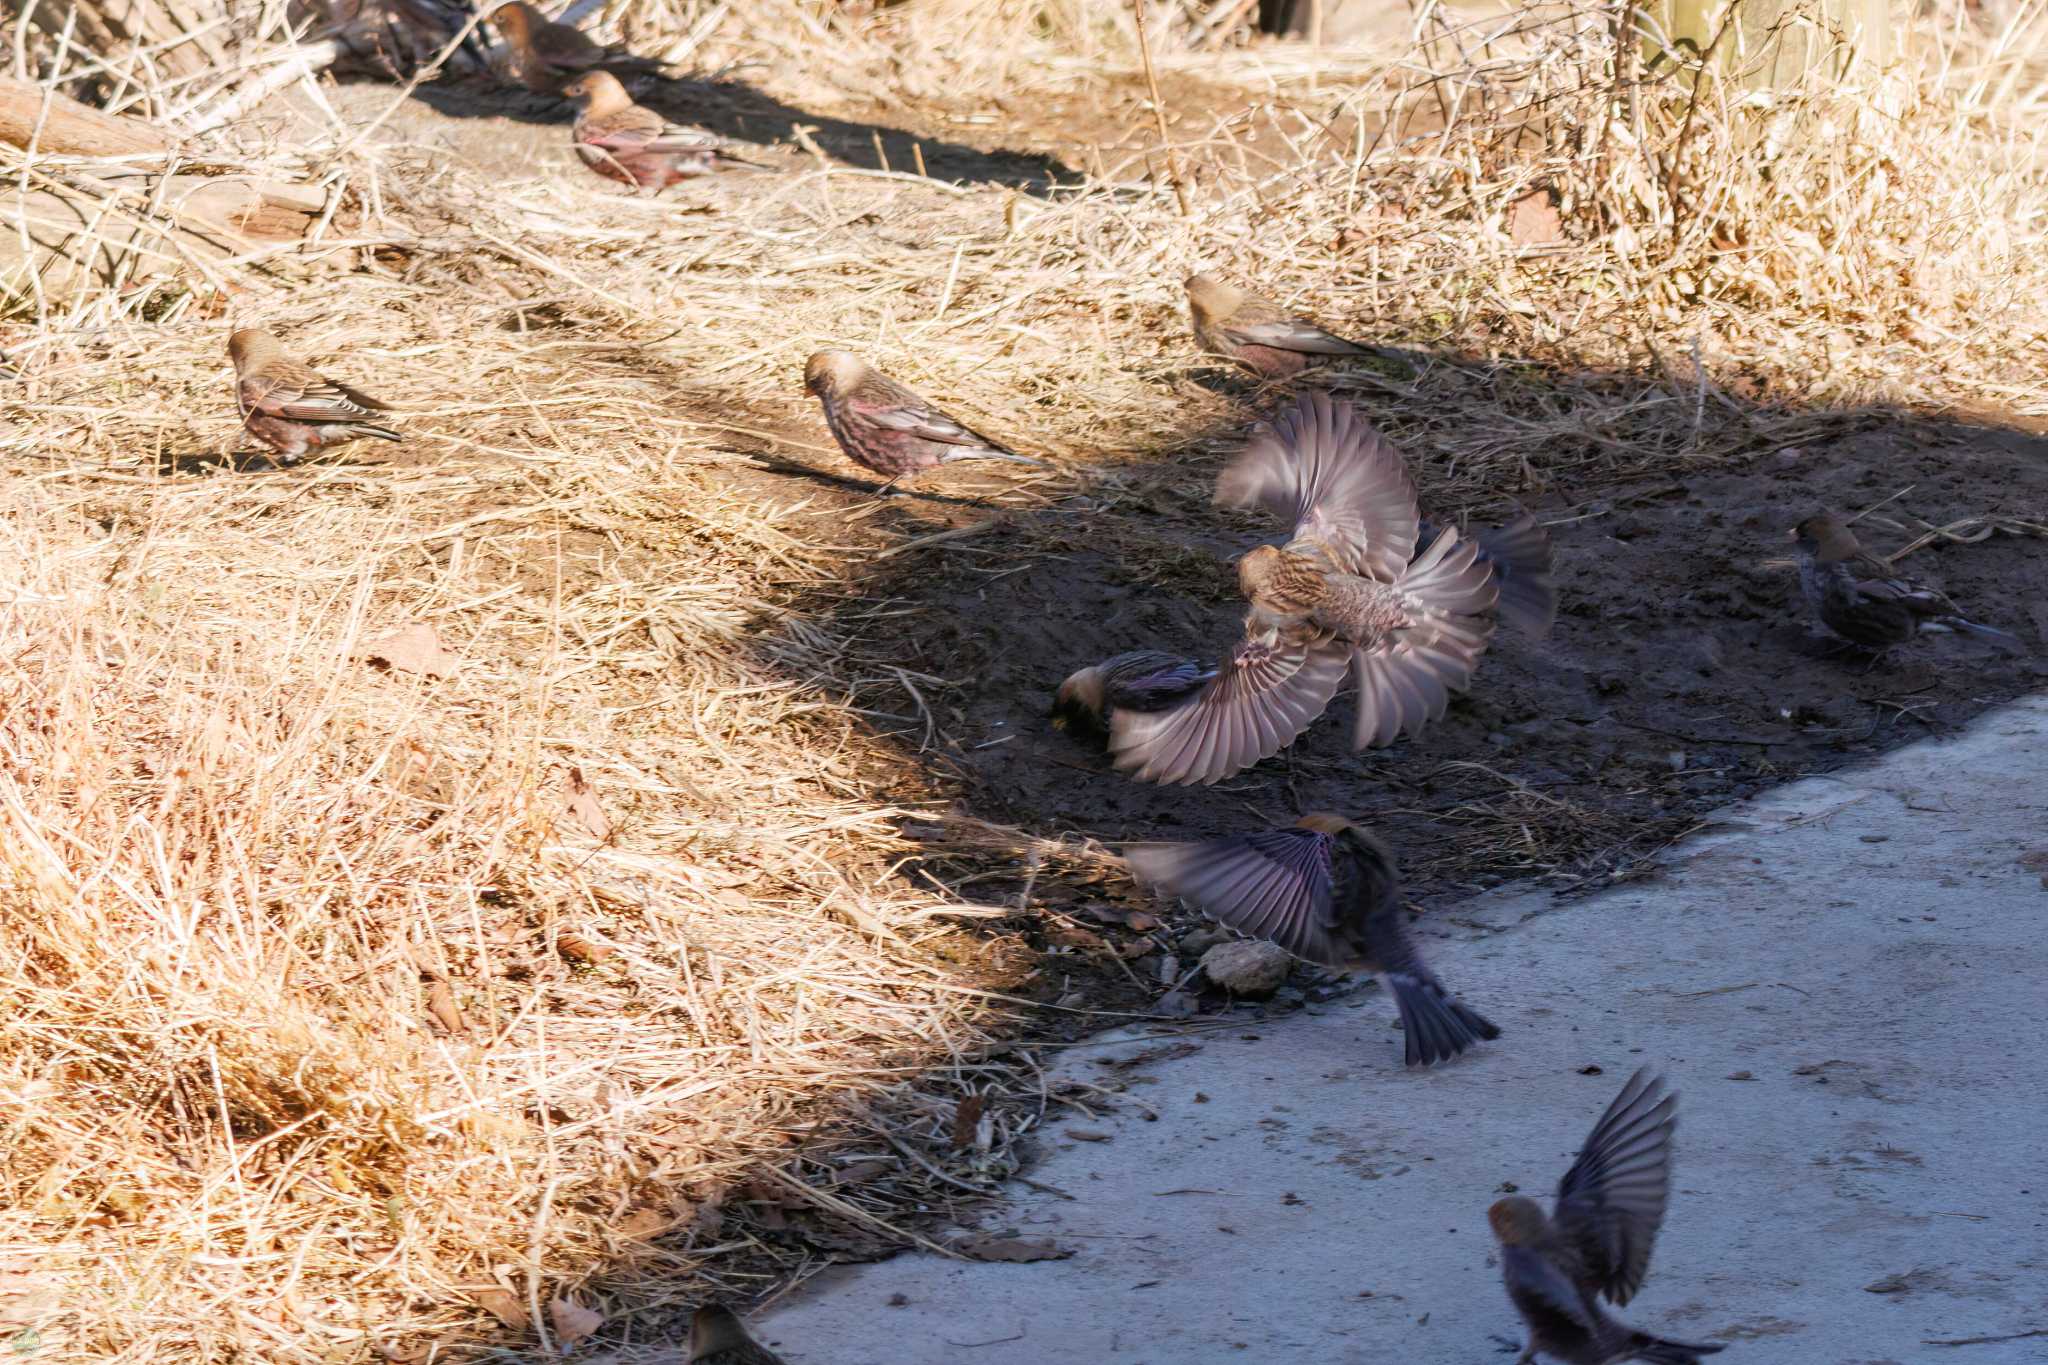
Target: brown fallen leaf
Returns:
[966, 1120]
[1533, 220]
[577, 948]
[505, 1306]
[643, 1225]
[984, 1246]
[572, 1321]
[411, 649]
[582, 809]
[441, 1004]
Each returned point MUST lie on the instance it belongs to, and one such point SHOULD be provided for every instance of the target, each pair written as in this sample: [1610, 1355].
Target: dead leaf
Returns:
[572, 1321]
[1533, 220]
[577, 948]
[504, 1305]
[441, 1004]
[983, 1246]
[643, 1225]
[1139, 922]
[412, 649]
[583, 810]
[966, 1119]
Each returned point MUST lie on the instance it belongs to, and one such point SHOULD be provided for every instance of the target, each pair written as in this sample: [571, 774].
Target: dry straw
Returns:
[326, 1034]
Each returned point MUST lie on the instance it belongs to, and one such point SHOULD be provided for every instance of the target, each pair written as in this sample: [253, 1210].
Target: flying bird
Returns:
[1595, 1243]
[1325, 891]
[292, 408]
[1861, 599]
[628, 142]
[886, 427]
[1258, 333]
[718, 1337]
[546, 55]
[1348, 583]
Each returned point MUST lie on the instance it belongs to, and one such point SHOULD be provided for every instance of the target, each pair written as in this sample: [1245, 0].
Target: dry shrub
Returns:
[324, 1031]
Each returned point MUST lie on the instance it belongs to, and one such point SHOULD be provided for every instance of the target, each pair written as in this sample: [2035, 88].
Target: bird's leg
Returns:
[888, 489]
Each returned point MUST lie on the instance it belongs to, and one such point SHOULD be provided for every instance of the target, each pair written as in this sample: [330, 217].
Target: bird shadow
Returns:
[735, 110]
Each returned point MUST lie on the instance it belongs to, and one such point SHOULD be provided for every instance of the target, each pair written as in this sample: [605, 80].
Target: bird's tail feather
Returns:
[2004, 638]
[1436, 1027]
[1007, 456]
[1521, 556]
[1658, 1351]
[381, 433]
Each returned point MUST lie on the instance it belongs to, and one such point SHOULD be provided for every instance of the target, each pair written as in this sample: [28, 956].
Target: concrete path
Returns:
[1847, 980]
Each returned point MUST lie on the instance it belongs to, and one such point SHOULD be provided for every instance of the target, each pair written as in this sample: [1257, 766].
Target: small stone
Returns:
[1174, 1004]
[1248, 967]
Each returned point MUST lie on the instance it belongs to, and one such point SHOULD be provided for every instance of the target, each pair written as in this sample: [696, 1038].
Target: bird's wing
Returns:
[565, 45]
[1274, 885]
[918, 418]
[1148, 680]
[1339, 484]
[1292, 334]
[300, 394]
[1259, 702]
[1611, 1202]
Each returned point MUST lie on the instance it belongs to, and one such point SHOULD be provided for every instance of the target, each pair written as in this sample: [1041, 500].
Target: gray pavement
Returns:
[1846, 980]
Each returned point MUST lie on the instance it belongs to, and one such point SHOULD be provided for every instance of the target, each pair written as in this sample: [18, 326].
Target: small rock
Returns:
[1248, 967]
[1175, 1004]
[1198, 941]
[1740, 1076]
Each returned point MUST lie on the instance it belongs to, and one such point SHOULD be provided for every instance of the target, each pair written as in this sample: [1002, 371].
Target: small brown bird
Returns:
[885, 427]
[1862, 600]
[628, 142]
[1325, 891]
[547, 55]
[1596, 1242]
[290, 407]
[1258, 333]
[1348, 581]
[718, 1337]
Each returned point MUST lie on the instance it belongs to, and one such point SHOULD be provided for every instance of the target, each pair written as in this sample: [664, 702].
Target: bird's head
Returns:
[1825, 538]
[829, 374]
[1079, 702]
[714, 1328]
[1211, 296]
[251, 347]
[599, 92]
[1517, 1220]
[516, 21]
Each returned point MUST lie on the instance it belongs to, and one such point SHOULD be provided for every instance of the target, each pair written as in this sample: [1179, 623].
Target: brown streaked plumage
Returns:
[291, 407]
[1863, 600]
[628, 142]
[718, 1337]
[1596, 1241]
[888, 428]
[1348, 583]
[547, 55]
[1258, 333]
[1325, 891]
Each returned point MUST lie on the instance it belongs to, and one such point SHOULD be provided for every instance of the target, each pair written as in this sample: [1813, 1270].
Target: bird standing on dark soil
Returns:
[628, 142]
[1324, 891]
[291, 407]
[718, 1337]
[1596, 1241]
[1861, 599]
[1258, 333]
[1348, 583]
[886, 427]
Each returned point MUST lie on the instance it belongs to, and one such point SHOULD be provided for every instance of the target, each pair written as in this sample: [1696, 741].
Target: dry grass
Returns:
[302, 1058]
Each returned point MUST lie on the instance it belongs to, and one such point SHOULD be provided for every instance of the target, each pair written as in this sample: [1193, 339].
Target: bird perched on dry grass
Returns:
[1861, 599]
[1258, 333]
[291, 407]
[1348, 582]
[888, 428]
[631, 143]
[547, 55]
[1596, 1241]
[718, 1337]
[1325, 891]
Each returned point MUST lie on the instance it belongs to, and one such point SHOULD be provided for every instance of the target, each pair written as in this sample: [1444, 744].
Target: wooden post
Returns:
[1767, 44]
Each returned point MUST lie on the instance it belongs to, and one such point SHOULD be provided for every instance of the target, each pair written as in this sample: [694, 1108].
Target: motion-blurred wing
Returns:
[1258, 704]
[1274, 885]
[1322, 469]
[1611, 1202]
